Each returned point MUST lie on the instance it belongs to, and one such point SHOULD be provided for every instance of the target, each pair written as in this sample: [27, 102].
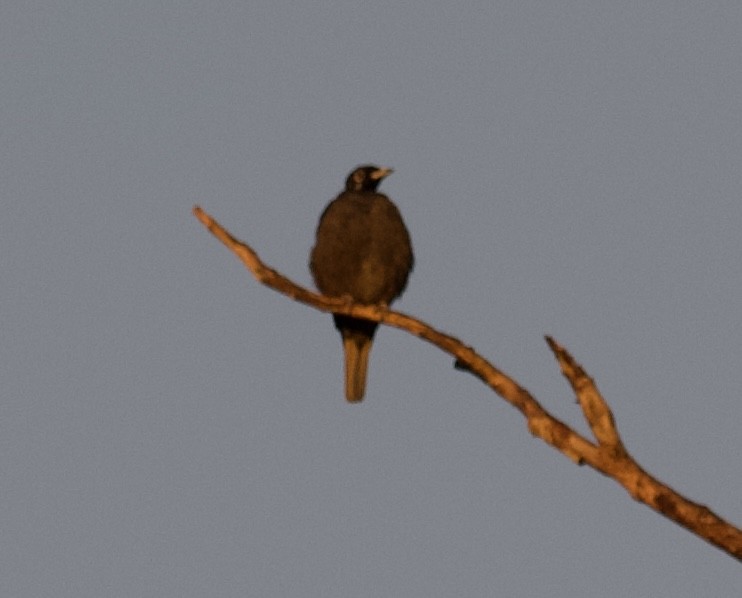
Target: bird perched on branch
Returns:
[362, 252]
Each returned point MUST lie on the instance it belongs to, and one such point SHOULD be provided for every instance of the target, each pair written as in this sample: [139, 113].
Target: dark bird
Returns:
[362, 252]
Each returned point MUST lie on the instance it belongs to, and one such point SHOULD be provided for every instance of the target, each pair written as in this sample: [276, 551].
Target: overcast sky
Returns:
[171, 428]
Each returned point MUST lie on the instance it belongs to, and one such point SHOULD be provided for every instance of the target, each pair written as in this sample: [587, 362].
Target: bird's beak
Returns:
[381, 173]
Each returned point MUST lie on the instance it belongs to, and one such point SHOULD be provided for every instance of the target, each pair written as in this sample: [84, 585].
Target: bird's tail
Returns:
[356, 351]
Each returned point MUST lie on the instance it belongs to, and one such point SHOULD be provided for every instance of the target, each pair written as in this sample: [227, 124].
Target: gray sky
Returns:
[170, 428]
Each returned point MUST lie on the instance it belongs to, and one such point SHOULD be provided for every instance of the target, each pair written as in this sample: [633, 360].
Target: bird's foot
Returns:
[347, 299]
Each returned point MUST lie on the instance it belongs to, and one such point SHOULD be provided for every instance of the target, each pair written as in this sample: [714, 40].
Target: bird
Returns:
[363, 253]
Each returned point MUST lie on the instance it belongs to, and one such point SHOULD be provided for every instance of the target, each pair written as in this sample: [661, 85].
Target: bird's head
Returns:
[366, 178]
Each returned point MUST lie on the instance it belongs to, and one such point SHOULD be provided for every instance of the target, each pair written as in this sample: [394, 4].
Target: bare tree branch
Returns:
[606, 454]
